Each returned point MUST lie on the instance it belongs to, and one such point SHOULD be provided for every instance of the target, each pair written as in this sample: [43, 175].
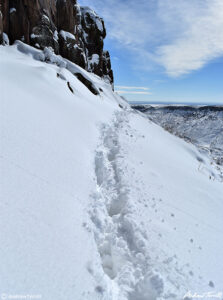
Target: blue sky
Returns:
[165, 50]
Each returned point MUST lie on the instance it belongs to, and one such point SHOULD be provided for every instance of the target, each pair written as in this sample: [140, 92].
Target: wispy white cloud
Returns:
[199, 42]
[131, 87]
[180, 36]
[133, 92]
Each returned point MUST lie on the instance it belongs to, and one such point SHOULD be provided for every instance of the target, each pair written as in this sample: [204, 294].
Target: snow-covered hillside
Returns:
[200, 125]
[97, 202]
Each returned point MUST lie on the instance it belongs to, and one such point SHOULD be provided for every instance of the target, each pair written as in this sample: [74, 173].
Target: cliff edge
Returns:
[76, 33]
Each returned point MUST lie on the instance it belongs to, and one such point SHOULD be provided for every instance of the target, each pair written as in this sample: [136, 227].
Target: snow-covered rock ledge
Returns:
[76, 33]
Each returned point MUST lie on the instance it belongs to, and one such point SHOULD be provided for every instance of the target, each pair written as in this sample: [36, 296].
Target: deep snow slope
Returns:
[97, 202]
[48, 138]
[168, 210]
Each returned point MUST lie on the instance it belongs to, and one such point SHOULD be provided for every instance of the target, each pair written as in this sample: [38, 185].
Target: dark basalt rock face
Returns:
[74, 32]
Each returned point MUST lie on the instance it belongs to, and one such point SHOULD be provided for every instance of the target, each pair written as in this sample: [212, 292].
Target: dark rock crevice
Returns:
[87, 83]
[76, 33]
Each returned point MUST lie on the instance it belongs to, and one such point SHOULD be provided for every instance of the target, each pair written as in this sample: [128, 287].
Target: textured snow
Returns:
[55, 36]
[48, 139]
[66, 35]
[94, 59]
[97, 20]
[12, 10]
[97, 202]
[5, 39]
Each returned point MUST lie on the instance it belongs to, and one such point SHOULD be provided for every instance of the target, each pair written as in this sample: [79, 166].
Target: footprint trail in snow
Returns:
[120, 242]
[152, 234]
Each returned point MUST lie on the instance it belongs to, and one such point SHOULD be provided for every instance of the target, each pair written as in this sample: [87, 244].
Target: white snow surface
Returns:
[12, 10]
[97, 202]
[67, 35]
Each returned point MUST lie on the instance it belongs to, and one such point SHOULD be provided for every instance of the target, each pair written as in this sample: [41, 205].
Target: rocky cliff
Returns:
[76, 33]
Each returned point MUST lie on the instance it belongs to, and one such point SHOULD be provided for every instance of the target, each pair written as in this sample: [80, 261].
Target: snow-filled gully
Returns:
[120, 243]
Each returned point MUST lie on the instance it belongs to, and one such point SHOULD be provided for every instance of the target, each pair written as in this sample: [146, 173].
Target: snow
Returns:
[181, 208]
[12, 10]
[162, 215]
[86, 9]
[94, 59]
[200, 125]
[55, 36]
[33, 35]
[5, 39]
[99, 24]
[66, 35]
[45, 18]
[48, 136]
[97, 20]
[97, 202]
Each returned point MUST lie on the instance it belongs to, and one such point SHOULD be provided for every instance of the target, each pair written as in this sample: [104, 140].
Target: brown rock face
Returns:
[66, 15]
[1, 28]
[74, 32]
[4, 8]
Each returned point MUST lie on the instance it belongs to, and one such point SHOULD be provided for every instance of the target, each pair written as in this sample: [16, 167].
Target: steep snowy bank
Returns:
[48, 139]
[177, 207]
[97, 202]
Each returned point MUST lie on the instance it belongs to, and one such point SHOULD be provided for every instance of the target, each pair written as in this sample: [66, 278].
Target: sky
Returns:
[168, 51]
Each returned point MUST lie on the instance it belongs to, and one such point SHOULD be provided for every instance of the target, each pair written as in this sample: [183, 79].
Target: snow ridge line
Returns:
[120, 243]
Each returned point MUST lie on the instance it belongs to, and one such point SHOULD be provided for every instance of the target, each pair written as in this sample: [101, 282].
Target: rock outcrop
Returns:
[76, 33]
[1, 28]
